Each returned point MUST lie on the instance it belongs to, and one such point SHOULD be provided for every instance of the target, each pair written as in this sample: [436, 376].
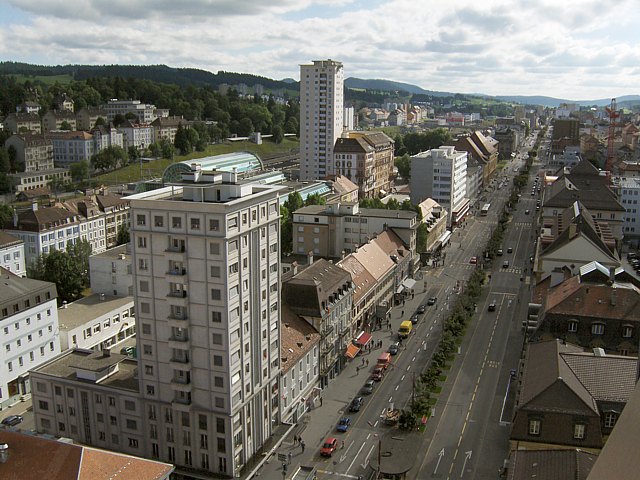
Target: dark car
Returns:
[414, 318]
[422, 308]
[356, 404]
[526, 212]
[510, 250]
[432, 301]
[393, 348]
[367, 388]
[343, 424]
[12, 420]
[492, 306]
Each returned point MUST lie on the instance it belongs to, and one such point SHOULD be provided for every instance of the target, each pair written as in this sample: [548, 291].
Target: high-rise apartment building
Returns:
[441, 174]
[204, 394]
[321, 117]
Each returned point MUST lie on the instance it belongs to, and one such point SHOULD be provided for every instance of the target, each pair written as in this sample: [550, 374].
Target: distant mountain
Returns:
[390, 86]
[625, 100]
[289, 80]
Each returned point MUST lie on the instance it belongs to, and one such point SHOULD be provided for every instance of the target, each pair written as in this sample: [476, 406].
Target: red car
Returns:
[329, 446]
[377, 374]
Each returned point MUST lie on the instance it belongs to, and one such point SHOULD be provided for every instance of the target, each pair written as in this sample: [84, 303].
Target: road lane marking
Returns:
[355, 457]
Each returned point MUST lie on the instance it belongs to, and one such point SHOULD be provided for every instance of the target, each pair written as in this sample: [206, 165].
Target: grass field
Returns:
[154, 168]
[46, 79]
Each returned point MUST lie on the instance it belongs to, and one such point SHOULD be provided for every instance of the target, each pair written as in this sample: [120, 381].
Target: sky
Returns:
[571, 49]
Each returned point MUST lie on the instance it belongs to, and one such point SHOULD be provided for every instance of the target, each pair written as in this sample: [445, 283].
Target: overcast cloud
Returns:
[575, 49]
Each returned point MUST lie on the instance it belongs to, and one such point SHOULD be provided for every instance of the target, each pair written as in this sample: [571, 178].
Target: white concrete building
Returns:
[628, 191]
[71, 147]
[111, 272]
[349, 119]
[12, 254]
[441, 174]
[145, 112]
[321, 117]
[139, 135]
[204, 393]
[29, 326]
[96, 322]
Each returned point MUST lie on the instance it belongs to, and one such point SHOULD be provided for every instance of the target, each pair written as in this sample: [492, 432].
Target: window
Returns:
[141, 220]
[572, 326]
[146, 329]
[218, 382]
[627, 331]
[215, 294]
[214, 248]
[158, 221]
[216, 339]
[176, 222]
[578, 431]
[215, 271]
[222, 446]
[131, 424]
[534, 427]
[220, 425]
[232, 222]
[144, 286]
[147, 349]
[214, 225]
[610, 419]
[597, 329]
[217, 360]
[195, 224]
[133, 442]
[216, 317]
[151, 390]
[202, 422]
[43, 405]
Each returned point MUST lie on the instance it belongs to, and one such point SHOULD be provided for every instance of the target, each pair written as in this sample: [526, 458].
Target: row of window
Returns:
[31, 357]
[598, 328]
[579, 429]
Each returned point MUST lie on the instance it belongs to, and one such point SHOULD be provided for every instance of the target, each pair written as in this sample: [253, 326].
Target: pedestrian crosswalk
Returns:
[523, 224]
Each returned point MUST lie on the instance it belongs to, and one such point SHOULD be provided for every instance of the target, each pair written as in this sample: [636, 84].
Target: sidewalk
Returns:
[319, 423]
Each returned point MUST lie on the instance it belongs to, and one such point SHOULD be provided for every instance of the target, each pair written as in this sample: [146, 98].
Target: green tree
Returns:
[79, 171]
[5, 183]
[286, 231]
[155, 150]
[5, 163]
[404, 166]
[168, 150]
[6, 216]
[315, 199]
[293, 202]
[56, 184]
[100, 122]
[13, 158]
[245, 127]
[109, 158]
[422, 235]
[133, 153]
[123, 236]
[181, 141]
[65, 126]
[278, 134]
[118, 120]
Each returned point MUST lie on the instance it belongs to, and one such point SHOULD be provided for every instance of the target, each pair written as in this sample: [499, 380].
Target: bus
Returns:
[485, 209]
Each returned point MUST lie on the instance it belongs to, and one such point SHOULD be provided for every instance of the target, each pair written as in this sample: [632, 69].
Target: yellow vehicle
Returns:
[405, 329]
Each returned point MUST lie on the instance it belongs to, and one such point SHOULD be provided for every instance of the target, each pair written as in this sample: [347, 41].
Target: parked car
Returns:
[526, 212]
[12, 420]
[432, 301]
[343, 424]
[414, 318]
[510, 250]
[367, 388]
[473, 260]
[328, 447]
[422, 308]
[500, 252]
[377, 374]
[356, 404]
[393, 348]
[492, 306]
[505, 264]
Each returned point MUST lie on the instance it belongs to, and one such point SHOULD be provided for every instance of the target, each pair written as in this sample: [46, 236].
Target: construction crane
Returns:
[613, 115]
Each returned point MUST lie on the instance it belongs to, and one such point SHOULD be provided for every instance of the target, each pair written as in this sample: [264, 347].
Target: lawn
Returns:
[45, 79]
[155, 168]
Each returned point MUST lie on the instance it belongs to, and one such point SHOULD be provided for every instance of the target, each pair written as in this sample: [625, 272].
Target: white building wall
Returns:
[321, 116]
[12, 258]
[28, 339]
[297, 384]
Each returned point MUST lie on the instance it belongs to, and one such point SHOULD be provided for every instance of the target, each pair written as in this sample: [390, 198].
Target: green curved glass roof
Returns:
[241, 161]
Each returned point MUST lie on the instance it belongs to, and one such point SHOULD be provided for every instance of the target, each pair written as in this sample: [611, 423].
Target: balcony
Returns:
[177, 272]
[326, 331]
[177, 294]
[176, 249]
[179, 342]
[179, 362]
[181, 387]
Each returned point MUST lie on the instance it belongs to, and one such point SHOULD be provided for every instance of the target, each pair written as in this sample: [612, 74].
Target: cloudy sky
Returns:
[574, 49]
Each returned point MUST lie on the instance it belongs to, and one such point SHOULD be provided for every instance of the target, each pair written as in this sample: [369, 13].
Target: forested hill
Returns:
[155, 73]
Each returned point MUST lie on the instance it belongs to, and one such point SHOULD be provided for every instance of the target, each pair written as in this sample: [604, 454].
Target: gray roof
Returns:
[15, 287]
[115, 252]
[574, 464]
[89, 308]
[362, 212]
[6, 239]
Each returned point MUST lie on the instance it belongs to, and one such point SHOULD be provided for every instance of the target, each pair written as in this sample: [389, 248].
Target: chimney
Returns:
[106, 352]
[614, 297]
[572, 230]
[310, 257]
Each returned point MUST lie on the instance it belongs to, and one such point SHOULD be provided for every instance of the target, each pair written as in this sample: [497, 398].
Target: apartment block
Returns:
[23, 122]
[55, 120]
[336, 229]
[138, 135]
[366, 158]
[441, 174]
[29, 325]
[111, 271]
[87, 117]
[12, 254]
[321, 117]
[71, 146]
[144, 112]
[204, 393]
[33, 150]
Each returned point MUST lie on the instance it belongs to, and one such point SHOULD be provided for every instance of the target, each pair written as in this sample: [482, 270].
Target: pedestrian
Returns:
[302, 445]
[357, 370]
[367, 362]
[295, 439]
[320, 401]
[402, 313]
[290, 454]
[342, 446]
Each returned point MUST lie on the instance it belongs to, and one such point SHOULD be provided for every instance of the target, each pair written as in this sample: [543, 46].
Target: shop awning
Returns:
[352, 351]
[363, 339]
[444, 238]
[400, 289]
[409, 283]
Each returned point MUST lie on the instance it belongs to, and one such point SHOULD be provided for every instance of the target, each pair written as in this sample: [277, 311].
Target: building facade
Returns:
[144, 112]
[321, 117]
[12, 254]
[33, 150]
[441, 174]
[29, 325]
[71, 147]
[23, 122]
[111, 271]
[55, 120]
